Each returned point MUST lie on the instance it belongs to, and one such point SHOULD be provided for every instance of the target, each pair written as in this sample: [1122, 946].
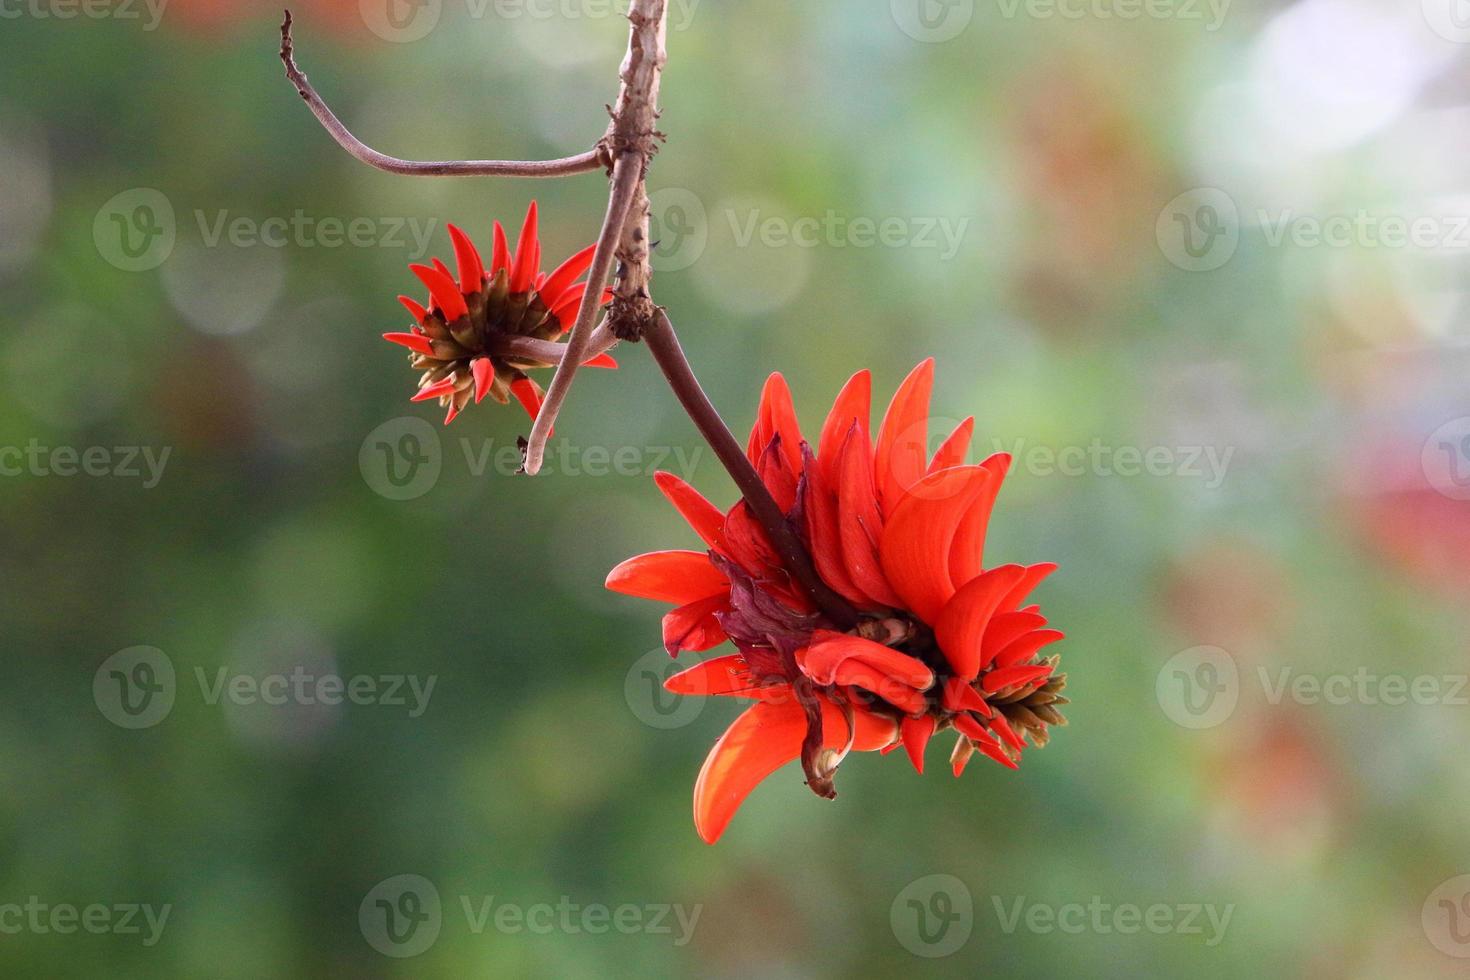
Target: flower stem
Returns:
[669, 355]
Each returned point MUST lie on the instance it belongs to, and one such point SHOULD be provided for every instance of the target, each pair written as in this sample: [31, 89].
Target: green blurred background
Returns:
[1131, 274]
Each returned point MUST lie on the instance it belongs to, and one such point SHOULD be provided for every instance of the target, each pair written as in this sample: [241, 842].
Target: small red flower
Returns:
[942, 641]
[457, 338]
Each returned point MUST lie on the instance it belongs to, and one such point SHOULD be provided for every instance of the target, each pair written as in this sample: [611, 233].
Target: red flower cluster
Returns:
[940, 641]
[464, 323]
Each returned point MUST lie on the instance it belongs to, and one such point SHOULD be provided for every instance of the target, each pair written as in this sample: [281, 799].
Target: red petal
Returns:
[453, 412]
[916, 733]
[1005, 627]
[484, 371]
[679, 577]
[859, 521]
[994, 750]
[1003, 728]
[471, 268]
[693, 626]
[706, 519]
[570, 303]
[952, 451]
[523, 270]
[412, 341]
[500, 251]
[435, 390]
[824, 534]
[999, 680]
[416, 311]
[564, 275]
[727, 676]
[961, 627]
[903, 438]
[1033, 577]
[762, 740]
[829, 649]
[529, 394]
[919, 533]
[443, 290]
[776, 417]
[1021, 650]
[968, 551]
[601, 361]
[852, 407]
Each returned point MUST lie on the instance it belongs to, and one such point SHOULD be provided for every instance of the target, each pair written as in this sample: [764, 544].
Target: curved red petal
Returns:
[727, 676]
[484, 371]
[960, 629]
[1034, 576]
[952, 451]
[1021, 650]
[467, 257]
[859, 521]
[903, 438]
[967, 554]
[500, 250]
[436, 390]
[763, 739]
[693, 626]
[916, 733]
[706, 519]
[443, 289]
[775, 418]
[601, 361]
[565, 274]
[416, 311]
[523, 266]
[679, 577]
[999, 680]
[529, 394]
[829, 650]
[919, 532]
[852, 406]
[824, 534]
[413, 341]
[1006, 627]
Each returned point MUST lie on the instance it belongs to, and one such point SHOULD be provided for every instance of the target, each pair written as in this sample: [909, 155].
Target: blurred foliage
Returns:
[1060, 320]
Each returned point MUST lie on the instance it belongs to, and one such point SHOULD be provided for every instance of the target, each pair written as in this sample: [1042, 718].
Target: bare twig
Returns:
[630, 142]
[627, 176]
[566, 166]
[664, 346]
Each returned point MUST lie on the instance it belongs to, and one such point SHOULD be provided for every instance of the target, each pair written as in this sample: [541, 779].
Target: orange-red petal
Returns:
[919, 532]
[694, 626]
[952, 451]
[903, 438]
[413, 341]
[706, 519]
[763, 739]
[916, 733]
[967, 553]
[679, 577]
[852, 407]
[564, 275]
[443, 289]
[467, 257]
[960, 629]
[484, 371]
[523, 266]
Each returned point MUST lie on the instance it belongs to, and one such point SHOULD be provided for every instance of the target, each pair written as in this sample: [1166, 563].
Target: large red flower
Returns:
[459, 338]
[940, 642]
